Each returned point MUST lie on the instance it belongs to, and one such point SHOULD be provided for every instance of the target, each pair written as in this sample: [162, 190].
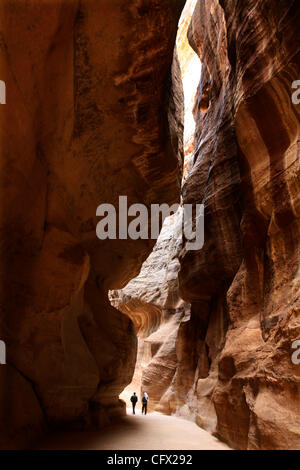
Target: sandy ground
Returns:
[152, 432]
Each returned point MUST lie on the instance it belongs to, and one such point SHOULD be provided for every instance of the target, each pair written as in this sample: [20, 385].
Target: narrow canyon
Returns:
[171, 101]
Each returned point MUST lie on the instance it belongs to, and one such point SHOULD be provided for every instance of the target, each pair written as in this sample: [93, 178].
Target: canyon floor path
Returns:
[153, 432]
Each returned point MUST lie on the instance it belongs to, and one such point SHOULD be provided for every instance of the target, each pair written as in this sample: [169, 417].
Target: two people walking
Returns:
[134, 400]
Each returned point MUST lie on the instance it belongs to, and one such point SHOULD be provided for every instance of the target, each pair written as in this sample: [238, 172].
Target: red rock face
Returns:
[244, 283]
[93, 111]
[151, 300]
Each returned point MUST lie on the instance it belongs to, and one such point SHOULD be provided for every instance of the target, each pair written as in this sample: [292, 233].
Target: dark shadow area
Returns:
[91, 440]
[152, 432]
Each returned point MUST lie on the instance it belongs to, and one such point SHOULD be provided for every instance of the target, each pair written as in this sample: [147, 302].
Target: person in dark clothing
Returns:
[145, 403]
[133, 400]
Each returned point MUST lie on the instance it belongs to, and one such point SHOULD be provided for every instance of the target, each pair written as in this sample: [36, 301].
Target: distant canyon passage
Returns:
[94, 110]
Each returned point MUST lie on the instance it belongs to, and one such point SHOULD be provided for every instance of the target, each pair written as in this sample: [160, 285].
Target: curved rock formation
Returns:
[231, 356]
[244, 283]
[93, 111]
[151, 300]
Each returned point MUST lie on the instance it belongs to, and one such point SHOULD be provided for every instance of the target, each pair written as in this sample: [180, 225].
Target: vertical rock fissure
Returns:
[152, 300]
[231, 352]
[94, 111]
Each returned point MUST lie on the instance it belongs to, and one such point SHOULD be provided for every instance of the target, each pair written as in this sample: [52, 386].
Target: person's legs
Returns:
[146, 408]
[143, 408]
[133, 408]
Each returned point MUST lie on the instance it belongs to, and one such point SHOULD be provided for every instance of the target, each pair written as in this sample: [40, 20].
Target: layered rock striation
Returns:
[94, 111]
[232, 353]
[244, 284]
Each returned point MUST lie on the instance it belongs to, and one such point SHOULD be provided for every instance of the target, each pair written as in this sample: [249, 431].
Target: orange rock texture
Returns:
[244, 284]
[94, 111]
[230, 356]
[151, 300]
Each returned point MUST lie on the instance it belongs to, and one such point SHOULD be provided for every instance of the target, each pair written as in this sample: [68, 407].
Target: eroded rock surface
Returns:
[151, 300]
[94, 111]
[244, 284]
[232, 354]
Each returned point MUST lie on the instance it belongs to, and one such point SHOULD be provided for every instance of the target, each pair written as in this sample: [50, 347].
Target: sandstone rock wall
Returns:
[94, 111]
[151, 300]
[244, 284]
[230, 356]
